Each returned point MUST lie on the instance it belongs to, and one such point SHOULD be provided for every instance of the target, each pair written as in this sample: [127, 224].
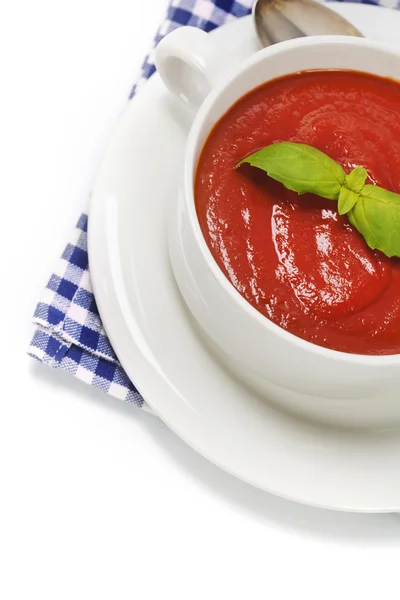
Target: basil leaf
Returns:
[347, 199]
[300, 168]
[376, 216]
[355, 180]
[373, 211]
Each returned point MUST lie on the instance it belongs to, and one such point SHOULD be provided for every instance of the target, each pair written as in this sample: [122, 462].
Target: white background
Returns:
[98, 500]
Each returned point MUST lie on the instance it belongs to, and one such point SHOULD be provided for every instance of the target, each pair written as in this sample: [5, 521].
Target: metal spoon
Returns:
[279, 20]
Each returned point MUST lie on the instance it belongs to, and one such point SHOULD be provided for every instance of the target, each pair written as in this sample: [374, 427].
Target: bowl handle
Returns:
[190, 64]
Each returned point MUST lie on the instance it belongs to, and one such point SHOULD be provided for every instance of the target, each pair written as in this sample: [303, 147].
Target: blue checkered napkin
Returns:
[69, 333]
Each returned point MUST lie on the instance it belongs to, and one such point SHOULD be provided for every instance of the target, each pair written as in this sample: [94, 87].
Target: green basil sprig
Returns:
[373, 211]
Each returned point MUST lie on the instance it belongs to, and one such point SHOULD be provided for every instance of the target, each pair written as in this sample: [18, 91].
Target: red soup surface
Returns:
[294, 258]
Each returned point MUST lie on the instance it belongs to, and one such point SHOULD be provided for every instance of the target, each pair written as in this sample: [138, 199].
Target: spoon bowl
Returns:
[279, 20]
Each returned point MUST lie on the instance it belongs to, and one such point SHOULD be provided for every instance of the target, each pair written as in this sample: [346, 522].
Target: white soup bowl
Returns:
[200, 73]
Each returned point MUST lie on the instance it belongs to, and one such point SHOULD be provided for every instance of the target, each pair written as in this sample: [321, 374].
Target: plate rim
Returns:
[96, 274]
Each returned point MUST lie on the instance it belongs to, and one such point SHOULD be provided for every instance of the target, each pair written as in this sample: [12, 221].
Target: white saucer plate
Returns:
[154, 338]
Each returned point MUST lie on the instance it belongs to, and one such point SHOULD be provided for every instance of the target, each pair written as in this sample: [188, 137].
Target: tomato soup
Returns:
[294, 258]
